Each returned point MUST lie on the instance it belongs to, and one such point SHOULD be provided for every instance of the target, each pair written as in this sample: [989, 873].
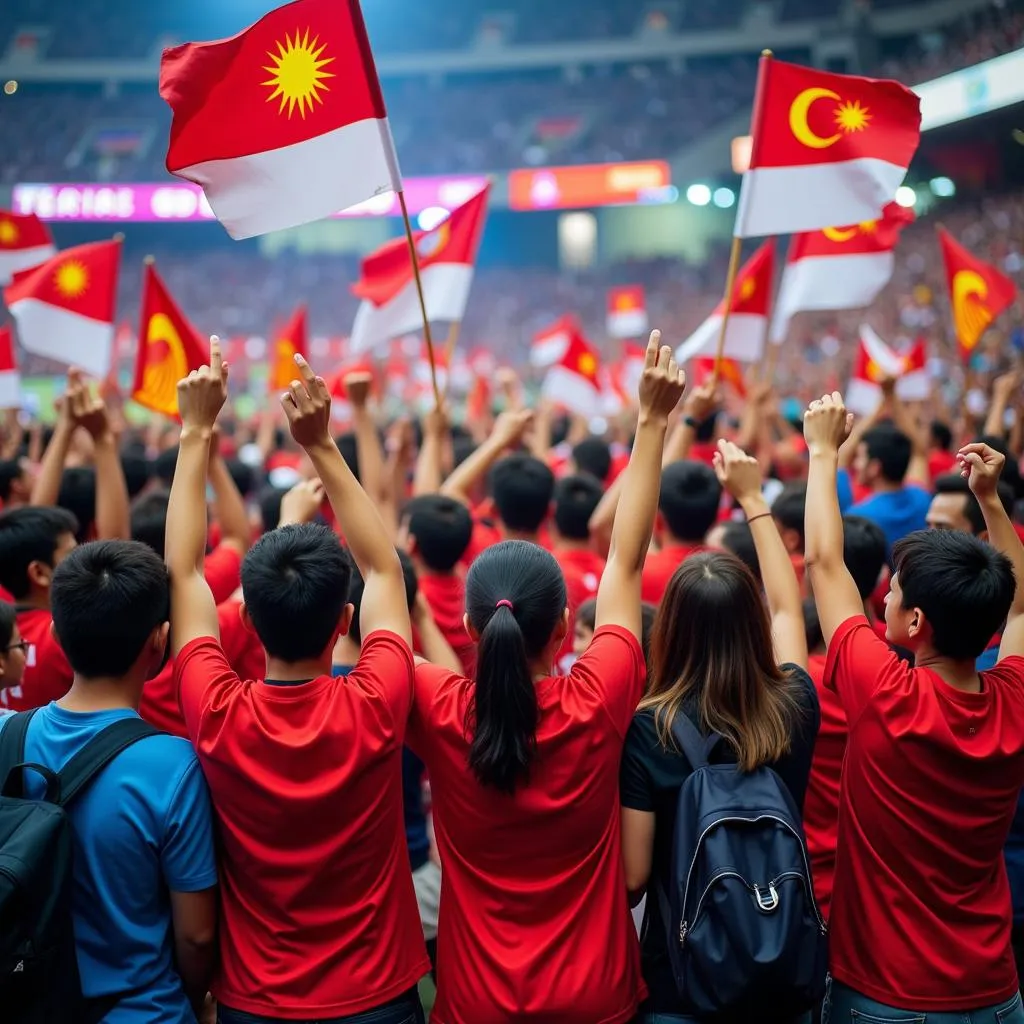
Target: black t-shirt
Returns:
[650, 780]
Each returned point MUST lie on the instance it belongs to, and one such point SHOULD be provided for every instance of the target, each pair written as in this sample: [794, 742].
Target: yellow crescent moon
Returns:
[160, 380]
[838, 235]
[798, 118]
[970, 317]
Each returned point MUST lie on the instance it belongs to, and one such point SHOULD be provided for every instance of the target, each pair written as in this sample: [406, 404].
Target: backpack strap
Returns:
[12, 754]
[97, 754]
[692, 742]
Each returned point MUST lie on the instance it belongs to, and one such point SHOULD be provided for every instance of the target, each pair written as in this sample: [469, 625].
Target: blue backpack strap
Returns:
[12, 752]
[692, 742]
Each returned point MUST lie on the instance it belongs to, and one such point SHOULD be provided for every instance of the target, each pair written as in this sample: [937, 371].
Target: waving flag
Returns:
[10, 379]
[877, 361]
[748, 317]
[387, 287]
[169, 348]
[25, 241]
[550, 344]
[627, 311]
[978, 292]
[826, 149]
[838, 268]
[574, 382]
[283, 123]
[65, 307]
[288, 343]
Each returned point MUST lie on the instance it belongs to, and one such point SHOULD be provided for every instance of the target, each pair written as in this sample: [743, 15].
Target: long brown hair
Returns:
[712, 650]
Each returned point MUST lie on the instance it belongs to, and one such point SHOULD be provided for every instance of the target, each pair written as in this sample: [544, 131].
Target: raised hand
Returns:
[510, 426]
[302, 503]
[662, 383]
[738, 472]
[201, 395]
[87, 410]
[827, 424]
[357, 388]
[307, 404]
[982, 467]
[702, 402]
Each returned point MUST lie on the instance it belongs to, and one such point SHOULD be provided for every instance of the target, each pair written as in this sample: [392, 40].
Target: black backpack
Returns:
[39, 981]
[742, 925]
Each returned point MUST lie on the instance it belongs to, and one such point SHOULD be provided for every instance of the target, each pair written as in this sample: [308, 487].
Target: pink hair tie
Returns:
[504, 603]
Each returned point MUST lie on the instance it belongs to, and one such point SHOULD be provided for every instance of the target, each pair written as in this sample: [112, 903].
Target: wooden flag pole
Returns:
[449, 351]
[413, 255]
[730, 284]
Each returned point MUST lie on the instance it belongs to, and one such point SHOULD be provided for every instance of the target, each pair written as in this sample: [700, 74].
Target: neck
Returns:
[670, 540]
[961, 675]
[541, 668]
[567, 544]
[102, 694]
[886, 487]
[38, 599]
[508, 534]
[346, 651]
[296, 671]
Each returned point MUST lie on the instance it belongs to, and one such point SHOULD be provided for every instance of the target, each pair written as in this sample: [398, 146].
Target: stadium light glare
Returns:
[724, 198]
[431, 217]
[698, 195]
[906, 196]
[10, 87]
[943, 187]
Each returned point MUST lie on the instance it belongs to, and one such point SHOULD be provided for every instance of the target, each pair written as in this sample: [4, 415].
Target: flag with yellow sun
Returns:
[25, 242]
[65, 308]
[283, 123]
[826, 149]
[288, 342]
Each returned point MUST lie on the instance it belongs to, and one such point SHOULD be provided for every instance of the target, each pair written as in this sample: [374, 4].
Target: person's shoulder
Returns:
[1009, 670]
[160, 754]
[643, 731]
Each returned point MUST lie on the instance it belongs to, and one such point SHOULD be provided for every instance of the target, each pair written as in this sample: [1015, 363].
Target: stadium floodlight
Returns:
[431, 217]
[698, 195]
[11, 87]
[724, 198]
[906, 196]
[943, 187]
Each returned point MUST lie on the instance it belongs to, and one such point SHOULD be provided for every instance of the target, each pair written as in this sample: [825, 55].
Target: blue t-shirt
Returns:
[896, 512]
[142, 829]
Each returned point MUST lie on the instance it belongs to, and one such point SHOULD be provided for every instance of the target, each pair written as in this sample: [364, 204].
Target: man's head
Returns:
[522, 487]
[77, 494]
[137, 470]
[149, 520]
[15, 481]
[738, 538]
[940, 437]
[788, 513]
[954, 506]
[689, 500]
[358, 585]
[111, 603]
[864, 551]
[883, 456]
[436, 530]
[576, 497]
[592, 455]
[295, 583]
[950, 594]
[33, 542]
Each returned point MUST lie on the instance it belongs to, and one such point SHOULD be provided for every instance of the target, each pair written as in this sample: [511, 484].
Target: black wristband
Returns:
[760, 515]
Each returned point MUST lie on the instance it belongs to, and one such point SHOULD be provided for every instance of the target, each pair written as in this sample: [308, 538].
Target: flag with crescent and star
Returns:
[838, 267]
[978, 292]
[283, 123]
[826, 149]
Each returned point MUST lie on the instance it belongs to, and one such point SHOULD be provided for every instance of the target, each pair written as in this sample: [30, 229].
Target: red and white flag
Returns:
[65, 307]
[748, 319]
[877, 361]
[387, 285]
[574, 381]
[10, 379]
[627, 311]
[620, 382]
[838, 268]
[283, 123]
[550, 344]
[25, 241]
[825, 149]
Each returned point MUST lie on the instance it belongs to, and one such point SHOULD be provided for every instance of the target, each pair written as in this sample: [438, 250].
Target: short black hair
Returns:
[891, 448]
[164, 463]
[954, 483]
[77, 494]
[358, 585]
[137, 470]
[242, 474]
[269, 501]
[10, 470]
[295, 582]
[864, 552]
[522, 487]
[462, 448]
[576, 497]
[149, 520]
[738, 538]
[8, 620]
[705, 431]
[790, 506]
[30, 534]
[107, 597]
[689, 499]
[593, 455]
[963, 585]
[941, 435]
[349, 451]
[442, 528]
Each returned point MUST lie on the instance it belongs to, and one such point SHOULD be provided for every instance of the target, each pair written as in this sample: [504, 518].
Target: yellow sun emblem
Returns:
[852, 117]
[587, 365]
[297, 73]
[868, 227]
[8, 232]
[72, 279]
[747, 288]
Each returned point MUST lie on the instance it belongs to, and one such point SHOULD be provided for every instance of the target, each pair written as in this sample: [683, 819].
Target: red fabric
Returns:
[446, 596]
[660, 567]
[48, 675]
[22, 231]
[95, 292]
[940, 462]
[1020, 530]
[821, 804]
[586, 565]
[484, 535]
[316, 892]
[538, 873]
[701, 451]
[222, 569]
[871, 237]
[291, 340]
[929, 789]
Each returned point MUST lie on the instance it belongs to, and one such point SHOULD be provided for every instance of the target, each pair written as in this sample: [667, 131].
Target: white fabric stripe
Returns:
[627, 324]
[744, 338]
[446, 290]
[880, 353]
[785, 200]
[68, 337]
[282, 188]
[862, 396]
[576, 393]
[11, 262]
[550, 350]
[829, 282]
[10, 389]
[915, 386]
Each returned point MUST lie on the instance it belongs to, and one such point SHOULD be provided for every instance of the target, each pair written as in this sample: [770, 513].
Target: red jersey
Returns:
[316, 894]
[585, 565]
[660, 567]
[48, 676]
[222, 569]
[821, 803]
[536, 925]
[940, 462]
[921, 907]
[446, 596]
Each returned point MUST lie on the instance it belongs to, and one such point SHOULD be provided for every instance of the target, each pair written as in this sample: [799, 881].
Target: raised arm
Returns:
[700, 405]
[826, 424]
[508, 430]
[201, 396]
[51, 467]
[428, 473]
[368, 450]
[907, 422]
[307, 404]
[112, 512]
[661, 387]
[1003, 390]
[228, 503]
[740, 475]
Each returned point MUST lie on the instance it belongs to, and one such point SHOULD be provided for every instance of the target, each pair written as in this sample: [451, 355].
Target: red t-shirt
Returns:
[660, 567]
[821, 803]
[222, 569]
[940, 462]
[536, 926]
[317, 903]
[585, 565]
[446, 596]
[921, 907]
[48, 676]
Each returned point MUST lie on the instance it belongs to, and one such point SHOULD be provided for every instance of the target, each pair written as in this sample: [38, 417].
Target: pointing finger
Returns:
[651, 355]
[216, 358]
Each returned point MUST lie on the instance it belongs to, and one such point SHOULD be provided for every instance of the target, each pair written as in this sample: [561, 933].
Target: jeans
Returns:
[674, 1018]
[845, 1006]
[406, 1009]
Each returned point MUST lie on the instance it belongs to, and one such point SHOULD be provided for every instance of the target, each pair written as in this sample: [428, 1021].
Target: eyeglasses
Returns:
[21, 645]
